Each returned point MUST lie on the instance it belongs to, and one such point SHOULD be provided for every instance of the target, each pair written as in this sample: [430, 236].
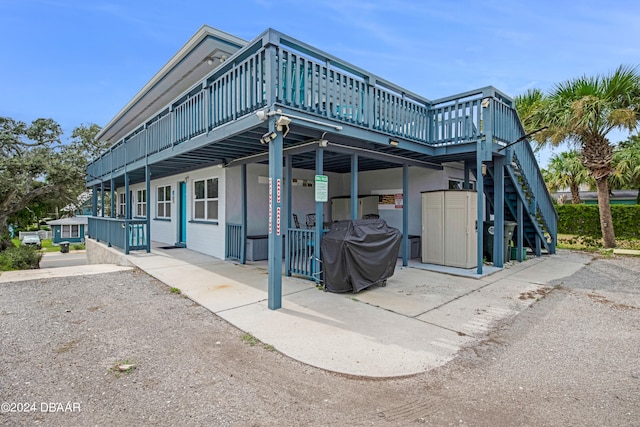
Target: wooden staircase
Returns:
[521, 183]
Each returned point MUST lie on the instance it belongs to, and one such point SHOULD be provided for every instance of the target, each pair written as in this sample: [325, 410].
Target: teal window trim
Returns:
[199, 221]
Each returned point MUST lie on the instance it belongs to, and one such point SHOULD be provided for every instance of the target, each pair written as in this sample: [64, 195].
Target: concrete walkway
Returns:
[419, 321]
[47, 273]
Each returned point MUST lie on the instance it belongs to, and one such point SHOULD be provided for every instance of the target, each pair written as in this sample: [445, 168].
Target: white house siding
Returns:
[165, 230]
[258, 196]
[208, 238]
[420, 179]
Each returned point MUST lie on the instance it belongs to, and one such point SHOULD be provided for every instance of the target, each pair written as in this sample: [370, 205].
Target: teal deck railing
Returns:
[537, 197]
[301, 252]
[234, 242]
[306, 79]
[126, 234]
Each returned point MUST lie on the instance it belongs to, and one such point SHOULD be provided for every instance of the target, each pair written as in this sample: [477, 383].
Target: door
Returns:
[182, 214]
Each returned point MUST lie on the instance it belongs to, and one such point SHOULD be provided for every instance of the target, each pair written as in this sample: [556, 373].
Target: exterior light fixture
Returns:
[220, 58]
[484, 169]
[268, 137]
[282, 124]
[323, 143]
[393, 142]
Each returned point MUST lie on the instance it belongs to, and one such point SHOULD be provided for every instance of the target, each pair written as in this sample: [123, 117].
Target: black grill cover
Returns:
[359, 253]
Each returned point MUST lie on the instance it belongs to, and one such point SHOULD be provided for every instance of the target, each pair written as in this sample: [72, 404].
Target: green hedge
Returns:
[584, 220]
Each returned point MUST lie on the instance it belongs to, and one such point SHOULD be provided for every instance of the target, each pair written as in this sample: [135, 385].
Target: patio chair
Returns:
[295, 220]
[311, 220]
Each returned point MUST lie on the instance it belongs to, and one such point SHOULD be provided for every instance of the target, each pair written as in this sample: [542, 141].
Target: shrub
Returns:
[20, 258]
[584, 220]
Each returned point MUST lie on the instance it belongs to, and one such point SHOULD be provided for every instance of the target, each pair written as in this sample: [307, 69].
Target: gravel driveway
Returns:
[571, 359]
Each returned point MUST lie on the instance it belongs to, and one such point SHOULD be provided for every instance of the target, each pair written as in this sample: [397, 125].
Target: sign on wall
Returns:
[322, 188]
[389, 199]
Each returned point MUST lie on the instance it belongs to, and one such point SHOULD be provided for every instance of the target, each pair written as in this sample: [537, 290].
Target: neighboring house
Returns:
[233, 142]
[70, 230]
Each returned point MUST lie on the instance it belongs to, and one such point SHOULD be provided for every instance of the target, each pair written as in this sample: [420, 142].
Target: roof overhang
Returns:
[205, 51]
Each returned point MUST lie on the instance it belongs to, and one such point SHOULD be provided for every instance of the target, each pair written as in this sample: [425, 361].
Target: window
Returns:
[141, 203]
[458, 184]
[205, 199]
[122, 205]
[70, 231]
[163, 208]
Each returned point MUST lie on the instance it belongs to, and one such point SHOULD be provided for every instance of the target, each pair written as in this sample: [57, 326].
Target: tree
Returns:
[626, 165]
[566, 170]
[35, 167]
[84, 147]
[582, 112]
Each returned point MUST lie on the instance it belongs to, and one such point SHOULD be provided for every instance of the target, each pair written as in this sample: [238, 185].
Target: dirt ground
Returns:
[572, 359]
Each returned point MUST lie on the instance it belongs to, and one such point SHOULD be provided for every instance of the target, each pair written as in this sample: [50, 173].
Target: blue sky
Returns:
[81, 61]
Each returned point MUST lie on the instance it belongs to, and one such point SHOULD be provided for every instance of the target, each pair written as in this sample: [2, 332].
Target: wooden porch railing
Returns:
[234, 242]
[306, 79]
[126, 234]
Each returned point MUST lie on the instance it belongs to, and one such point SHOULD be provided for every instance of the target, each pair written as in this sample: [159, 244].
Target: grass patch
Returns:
[250, 339]
[48, 246]
[123, 367]
[253, 341]
[175, 290]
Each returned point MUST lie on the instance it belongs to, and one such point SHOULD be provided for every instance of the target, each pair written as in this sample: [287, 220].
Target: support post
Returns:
[467, 168]
[480, 214]
[498, 212]
[405, 215]
[94, 201]
[354, 186]
[243, 214]
[288, 194]
[127, 216]
[147, 178]
[319, 218]
[520, 228]
[113, 196]
[275, 214]
[102, 199]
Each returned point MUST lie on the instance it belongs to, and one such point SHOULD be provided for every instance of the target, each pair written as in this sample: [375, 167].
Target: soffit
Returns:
[186, 68]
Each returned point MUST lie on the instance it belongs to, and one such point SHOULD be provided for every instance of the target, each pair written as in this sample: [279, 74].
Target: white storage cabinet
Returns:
[449, 233]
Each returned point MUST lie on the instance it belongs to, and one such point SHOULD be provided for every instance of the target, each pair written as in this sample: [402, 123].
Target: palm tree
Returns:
[582, 112]
[566, 170]
[626, 165]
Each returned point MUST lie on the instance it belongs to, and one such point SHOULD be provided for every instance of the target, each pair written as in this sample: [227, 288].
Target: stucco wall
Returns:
[209, 238]
[99, 253]
[302, 197]
[420, 179]
[205, 237]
